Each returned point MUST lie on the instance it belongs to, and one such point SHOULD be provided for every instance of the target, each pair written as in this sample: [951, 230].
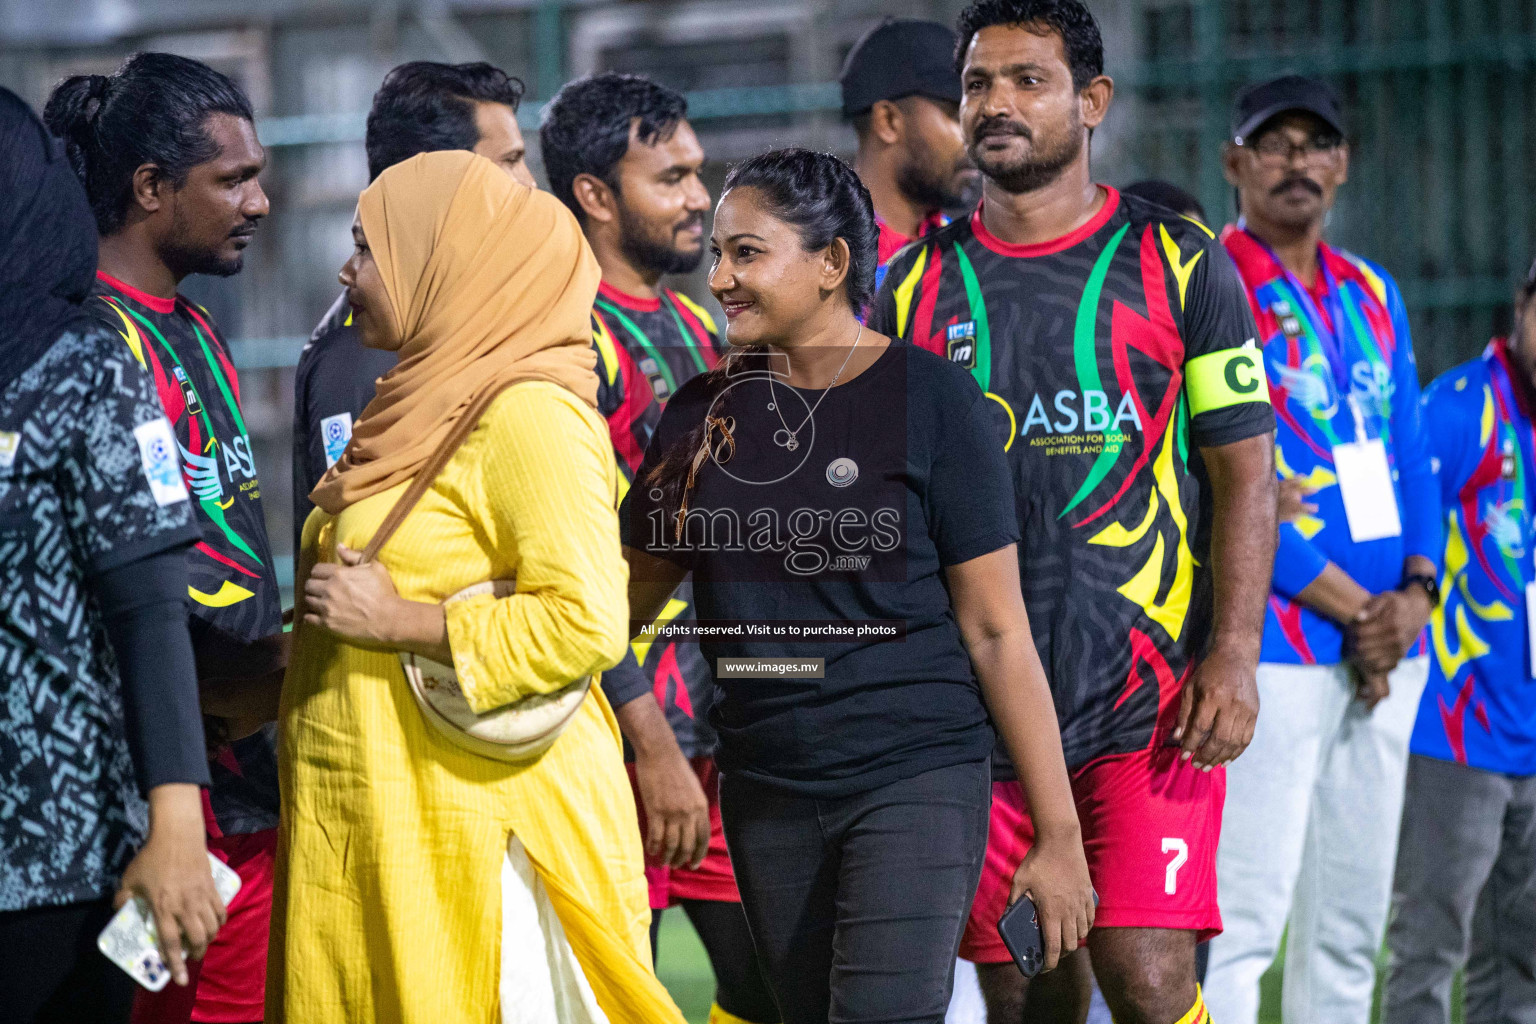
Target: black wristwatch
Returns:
[1424, 582]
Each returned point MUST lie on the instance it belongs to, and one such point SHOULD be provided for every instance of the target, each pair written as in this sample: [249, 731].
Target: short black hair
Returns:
[1167, 195]
[824, 200]
[424, 106]
[153, 110]
[585, 127]
[1069, 19]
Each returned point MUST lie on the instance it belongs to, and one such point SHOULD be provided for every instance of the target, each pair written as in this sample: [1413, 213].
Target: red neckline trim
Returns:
[1055, 245]
[627, 300]
[1517, 385]
[154, 302]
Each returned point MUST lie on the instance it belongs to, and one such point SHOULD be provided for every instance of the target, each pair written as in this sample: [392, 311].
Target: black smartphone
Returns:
[1019, 928]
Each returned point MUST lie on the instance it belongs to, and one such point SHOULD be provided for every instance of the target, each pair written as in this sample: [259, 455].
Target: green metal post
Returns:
[1211, 45]
[548, 47]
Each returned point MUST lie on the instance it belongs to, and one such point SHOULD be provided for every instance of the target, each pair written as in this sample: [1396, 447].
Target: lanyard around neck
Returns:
[1331, 331]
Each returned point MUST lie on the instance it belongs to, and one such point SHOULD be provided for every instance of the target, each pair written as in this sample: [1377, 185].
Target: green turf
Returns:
[684, 969]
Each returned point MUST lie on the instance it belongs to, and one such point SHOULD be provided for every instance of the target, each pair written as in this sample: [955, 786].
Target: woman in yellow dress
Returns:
[416, 881]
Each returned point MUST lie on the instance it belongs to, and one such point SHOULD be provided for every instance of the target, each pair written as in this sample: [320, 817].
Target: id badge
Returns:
[1365, 483]
[130, 941]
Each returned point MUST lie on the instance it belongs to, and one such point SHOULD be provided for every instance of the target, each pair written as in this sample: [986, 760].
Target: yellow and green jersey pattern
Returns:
[1108, 356]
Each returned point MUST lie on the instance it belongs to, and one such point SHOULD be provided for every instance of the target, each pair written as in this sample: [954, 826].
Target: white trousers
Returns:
[541, 980]
[1310, 832]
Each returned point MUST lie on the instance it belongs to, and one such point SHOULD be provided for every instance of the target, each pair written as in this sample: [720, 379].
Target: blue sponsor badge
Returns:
[960, 340]
[157, 455]
[335, 432]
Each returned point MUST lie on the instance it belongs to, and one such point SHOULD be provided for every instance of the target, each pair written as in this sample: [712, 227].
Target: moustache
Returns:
[1290, 183]
[692, 221]
[245, 230]
[999, 126]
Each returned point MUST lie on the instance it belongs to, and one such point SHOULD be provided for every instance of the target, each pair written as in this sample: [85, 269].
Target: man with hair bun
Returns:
[167, 150]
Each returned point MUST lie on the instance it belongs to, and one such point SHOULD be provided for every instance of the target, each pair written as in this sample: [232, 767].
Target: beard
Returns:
[1048, 159]
[646, 249]
[929, 188]
[185, 256]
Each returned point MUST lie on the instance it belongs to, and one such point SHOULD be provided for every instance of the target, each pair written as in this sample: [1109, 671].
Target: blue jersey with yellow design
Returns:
[1479, 707]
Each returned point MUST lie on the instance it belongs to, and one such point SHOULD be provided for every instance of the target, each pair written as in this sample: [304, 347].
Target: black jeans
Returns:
[856, 903]
[51, 971]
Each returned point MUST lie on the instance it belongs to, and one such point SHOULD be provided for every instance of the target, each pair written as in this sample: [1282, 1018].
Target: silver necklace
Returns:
[789, 439]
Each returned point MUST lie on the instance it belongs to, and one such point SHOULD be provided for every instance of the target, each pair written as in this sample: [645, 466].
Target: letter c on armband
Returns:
[1217, 380]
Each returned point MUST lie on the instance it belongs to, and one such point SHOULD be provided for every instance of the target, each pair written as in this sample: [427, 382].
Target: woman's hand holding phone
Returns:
[1054, 875]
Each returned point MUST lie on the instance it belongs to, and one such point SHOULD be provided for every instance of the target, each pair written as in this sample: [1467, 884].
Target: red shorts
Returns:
[713, 880]
[1150, 828]
[229, 985]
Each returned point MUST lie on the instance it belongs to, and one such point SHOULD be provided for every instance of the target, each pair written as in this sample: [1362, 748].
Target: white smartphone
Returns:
[130, 941]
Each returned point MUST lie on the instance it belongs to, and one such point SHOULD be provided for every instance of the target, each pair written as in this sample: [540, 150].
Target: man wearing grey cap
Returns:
[1310, 829]
[902, 93]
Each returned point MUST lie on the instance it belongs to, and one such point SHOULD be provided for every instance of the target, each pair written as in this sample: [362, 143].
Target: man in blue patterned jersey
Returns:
[1354, 581]
[620, 153]
[1466, 859]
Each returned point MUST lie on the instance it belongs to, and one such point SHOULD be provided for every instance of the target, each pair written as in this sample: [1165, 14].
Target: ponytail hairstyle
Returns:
[153, 110]
[824, 200]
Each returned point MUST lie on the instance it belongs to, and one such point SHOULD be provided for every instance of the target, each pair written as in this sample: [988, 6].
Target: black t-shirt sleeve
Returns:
[645, 523]
[969, 499]
[121, 479]
[1224, 377]
[336, 377]
[304, 447]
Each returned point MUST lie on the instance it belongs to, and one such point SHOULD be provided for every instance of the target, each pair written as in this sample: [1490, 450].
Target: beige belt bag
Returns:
[520, 731]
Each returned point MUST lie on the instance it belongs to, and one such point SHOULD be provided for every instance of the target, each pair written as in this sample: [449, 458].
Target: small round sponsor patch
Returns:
[842, 472]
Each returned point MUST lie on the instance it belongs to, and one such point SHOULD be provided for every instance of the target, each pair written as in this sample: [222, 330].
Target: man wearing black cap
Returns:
[1310, 829]
[902, 92]
[1114, 344]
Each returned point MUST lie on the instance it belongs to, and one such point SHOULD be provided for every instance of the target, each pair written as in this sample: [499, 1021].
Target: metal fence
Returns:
[1436, 94]
[1435, 90]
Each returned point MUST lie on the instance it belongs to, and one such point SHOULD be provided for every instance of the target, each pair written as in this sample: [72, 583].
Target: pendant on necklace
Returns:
[785, 439]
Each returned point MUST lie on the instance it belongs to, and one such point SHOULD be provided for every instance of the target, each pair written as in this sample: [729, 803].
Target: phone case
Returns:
[1019, 928]
[130, 940]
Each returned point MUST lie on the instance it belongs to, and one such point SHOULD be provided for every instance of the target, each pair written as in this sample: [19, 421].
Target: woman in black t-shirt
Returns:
[843, 503]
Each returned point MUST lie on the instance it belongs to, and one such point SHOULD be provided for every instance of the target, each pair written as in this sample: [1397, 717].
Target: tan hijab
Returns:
[491, 283]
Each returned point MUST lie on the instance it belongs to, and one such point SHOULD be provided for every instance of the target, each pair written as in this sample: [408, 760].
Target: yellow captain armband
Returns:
[1232, 376]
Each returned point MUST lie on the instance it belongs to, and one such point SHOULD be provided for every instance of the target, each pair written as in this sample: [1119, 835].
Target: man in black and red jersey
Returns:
[168, 153]
[902, 93]
[620, 153]
[1114, 340]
